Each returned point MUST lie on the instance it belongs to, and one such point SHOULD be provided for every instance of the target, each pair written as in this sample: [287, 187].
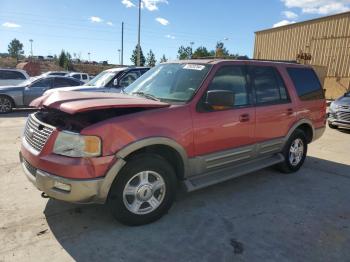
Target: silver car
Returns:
[339, 112]
[22, 95]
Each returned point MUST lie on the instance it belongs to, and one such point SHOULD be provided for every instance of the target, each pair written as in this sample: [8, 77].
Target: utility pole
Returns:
[122, 55]
[138, 41]
[31, 47]
[119, 56]
[89, 56]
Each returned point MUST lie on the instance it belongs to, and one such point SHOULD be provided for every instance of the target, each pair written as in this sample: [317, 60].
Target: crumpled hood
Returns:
[75, 102]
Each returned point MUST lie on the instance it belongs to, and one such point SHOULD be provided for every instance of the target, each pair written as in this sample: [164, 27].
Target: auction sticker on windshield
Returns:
[194, 67]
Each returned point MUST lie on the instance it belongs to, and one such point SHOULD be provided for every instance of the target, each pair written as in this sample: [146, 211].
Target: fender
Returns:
[130, 148]
[297, 124]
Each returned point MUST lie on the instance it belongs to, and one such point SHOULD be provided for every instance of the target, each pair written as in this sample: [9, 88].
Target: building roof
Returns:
[303, 22]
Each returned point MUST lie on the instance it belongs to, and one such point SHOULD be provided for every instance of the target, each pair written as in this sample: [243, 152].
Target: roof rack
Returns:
[245, 58]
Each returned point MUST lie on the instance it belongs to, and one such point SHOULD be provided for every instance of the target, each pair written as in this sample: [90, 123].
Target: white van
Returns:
[12, 76]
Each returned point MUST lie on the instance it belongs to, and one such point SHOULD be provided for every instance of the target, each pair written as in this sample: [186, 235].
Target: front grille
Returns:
[36, 133]
[344, 107]
[29, 167]
[343, 116]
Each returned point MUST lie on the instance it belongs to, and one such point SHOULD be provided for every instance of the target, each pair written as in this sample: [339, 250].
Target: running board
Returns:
[223, 174]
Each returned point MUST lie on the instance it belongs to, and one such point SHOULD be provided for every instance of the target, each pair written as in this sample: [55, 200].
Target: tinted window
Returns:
[62, 82]
[232, 78]
[57, 74]
[43, 83]
[84, 77]
[269, 86]
[76, 76]
[13, 75]
[306, 83]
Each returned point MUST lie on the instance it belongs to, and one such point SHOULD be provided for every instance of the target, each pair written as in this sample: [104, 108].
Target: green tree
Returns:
[65, 60]
[15, 49]
[151, 59]
[184, 52]
[201, 52]
[163, 59]
[134, 57]
[62, 58]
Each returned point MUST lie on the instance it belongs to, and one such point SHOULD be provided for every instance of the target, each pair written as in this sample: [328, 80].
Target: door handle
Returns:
[244, 118]
[290, 111]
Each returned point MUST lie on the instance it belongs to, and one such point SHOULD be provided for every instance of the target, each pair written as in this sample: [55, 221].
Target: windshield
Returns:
[172, 82]
[102, 79]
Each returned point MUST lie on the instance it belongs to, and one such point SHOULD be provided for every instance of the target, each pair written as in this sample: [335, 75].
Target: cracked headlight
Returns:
[76, 145]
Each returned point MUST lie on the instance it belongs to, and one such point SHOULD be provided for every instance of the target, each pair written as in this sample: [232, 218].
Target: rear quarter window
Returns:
[306, 83]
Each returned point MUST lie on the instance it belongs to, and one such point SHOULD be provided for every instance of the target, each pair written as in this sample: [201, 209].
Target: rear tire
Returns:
[6, 105]
[294, 152]
[143, 191]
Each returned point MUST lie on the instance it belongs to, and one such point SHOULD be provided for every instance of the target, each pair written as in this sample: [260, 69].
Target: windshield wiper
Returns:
[148, 96]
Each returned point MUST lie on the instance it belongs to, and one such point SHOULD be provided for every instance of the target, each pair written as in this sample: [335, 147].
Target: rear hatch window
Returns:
[306, 83]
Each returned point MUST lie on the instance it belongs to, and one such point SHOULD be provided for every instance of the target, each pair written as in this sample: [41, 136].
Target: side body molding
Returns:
[127, 150]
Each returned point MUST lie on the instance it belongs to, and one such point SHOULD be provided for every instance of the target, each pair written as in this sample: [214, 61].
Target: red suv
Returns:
[197, 122]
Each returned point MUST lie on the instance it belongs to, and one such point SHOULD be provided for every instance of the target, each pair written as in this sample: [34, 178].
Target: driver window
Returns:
[232, 78]
[44, 83]
[129, 78]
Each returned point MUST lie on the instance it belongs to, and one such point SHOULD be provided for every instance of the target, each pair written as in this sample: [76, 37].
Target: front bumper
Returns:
[333, 120]
[80, 190]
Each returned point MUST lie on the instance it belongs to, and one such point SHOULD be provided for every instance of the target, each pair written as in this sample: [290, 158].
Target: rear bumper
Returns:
[76, 190]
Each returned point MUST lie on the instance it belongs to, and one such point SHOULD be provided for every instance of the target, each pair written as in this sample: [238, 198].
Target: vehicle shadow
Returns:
[243, 219]
[19, 113]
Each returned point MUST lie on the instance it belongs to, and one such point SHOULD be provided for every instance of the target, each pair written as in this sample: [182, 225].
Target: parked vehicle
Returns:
[55, 73]
[200, 122]
[339, 112]
[110, 80]
[12, 76]
[83, 77]
[23, 94]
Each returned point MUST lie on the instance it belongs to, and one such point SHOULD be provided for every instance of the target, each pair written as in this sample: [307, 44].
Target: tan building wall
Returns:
[326, 39]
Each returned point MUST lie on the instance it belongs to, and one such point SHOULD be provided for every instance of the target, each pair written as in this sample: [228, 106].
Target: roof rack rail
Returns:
[246, 58]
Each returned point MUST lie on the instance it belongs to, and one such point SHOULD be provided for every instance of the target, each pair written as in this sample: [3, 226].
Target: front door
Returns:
[219, 131]
[36, 90]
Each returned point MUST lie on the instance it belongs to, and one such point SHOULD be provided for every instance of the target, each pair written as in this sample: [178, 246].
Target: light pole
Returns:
[138, 40]
[119, 56]
[191, 43]
[31, 47]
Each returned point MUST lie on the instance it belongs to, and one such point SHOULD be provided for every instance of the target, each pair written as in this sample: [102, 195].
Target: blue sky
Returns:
[93, 26]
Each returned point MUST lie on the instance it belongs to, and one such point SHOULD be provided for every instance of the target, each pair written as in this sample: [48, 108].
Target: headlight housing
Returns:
[76, 145]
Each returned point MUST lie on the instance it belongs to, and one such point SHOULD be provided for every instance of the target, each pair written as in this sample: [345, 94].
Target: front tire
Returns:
[6, 105]
[143, 191]
[294, 152]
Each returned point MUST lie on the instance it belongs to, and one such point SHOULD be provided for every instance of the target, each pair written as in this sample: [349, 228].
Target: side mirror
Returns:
[116, 82]
[220, 99]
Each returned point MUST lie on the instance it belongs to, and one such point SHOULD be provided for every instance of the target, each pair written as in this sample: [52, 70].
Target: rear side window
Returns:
[269, 86]
[13, 75]
[306, 83]
[84, 77]
[76, 76]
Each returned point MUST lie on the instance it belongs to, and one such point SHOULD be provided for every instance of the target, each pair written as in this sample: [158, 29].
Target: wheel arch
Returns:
[173, 152]
[306, 126]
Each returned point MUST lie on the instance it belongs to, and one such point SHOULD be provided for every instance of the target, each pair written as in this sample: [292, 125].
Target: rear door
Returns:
[274, 108]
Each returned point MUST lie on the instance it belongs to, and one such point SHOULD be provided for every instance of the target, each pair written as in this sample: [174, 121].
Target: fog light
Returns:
[62, 186]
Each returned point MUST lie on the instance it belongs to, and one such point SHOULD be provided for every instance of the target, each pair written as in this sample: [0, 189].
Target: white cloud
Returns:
[322, 7]
[170, 37]
[283, 23]
[110, 23]
[290, 14]
[128, 3]
[152, 5]
[162, 21]
[11, 25]
[96, 19]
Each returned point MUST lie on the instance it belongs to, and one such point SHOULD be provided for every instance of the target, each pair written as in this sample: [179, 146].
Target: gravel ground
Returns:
[264, 216]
